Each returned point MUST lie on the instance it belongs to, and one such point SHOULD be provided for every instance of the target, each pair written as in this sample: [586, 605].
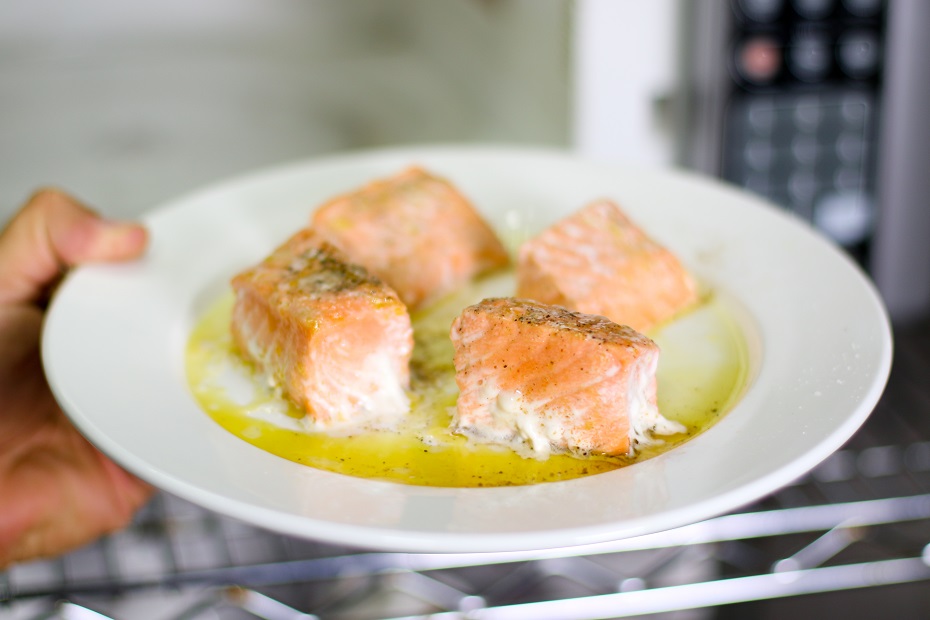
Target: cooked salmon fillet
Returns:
[597, 261]
[334, 338]
[413, 230]
[541, 378]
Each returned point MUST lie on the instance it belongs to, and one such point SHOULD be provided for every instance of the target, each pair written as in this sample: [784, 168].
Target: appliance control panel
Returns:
[800, 122]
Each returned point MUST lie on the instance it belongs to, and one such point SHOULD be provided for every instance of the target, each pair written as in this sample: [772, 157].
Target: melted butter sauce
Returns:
[702, 370]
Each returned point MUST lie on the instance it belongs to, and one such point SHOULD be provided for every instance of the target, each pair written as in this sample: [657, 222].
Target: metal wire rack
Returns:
[851, 536]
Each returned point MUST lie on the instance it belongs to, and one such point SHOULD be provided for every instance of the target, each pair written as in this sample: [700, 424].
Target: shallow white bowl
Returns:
[818, 335]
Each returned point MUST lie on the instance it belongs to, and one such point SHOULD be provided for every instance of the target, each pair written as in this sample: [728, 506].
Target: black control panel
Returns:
[800, 125]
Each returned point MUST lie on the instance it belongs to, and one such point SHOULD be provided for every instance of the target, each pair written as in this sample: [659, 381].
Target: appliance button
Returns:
[846, 217]
[759, 155]
[760, 10]
[807, 114]
[758, 59]
[809, 57]
[847, 180]
[813, 9]
[801, 187]
[850, 148]
[805, 149]
[758, 183]
[858, 53]
[761, 117]
[863, 8]
[854, 109]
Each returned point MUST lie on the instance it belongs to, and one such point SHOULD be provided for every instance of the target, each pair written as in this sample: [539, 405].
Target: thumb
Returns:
[52, 232]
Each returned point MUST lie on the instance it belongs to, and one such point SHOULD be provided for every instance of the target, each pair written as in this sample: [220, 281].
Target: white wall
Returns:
[626, 71]
[130, 104]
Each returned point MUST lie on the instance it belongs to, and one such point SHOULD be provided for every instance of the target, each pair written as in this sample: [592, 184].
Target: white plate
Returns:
[818, 335]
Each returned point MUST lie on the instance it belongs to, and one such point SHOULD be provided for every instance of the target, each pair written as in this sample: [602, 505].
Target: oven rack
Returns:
[859, 522]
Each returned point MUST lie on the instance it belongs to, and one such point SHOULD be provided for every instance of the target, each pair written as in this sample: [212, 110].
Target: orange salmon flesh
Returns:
[415, 231]
[542, 378]
[334, 338]
[597, 261]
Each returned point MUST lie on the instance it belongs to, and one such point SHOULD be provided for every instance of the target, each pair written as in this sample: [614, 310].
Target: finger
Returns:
[52, 232]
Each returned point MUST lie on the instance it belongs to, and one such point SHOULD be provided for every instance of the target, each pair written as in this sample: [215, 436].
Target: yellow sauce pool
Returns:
[702, 370]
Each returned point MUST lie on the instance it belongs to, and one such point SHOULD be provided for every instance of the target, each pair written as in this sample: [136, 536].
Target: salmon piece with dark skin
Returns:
[334, 338]
[415, 231]
[542, 379]
[598, 261]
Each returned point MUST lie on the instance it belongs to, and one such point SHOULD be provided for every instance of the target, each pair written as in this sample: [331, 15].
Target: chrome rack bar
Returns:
[732, 527]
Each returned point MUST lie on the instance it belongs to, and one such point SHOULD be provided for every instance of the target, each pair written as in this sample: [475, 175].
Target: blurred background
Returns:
[816, 104]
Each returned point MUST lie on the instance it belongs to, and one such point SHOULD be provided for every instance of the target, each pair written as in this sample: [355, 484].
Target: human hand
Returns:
[57, 491]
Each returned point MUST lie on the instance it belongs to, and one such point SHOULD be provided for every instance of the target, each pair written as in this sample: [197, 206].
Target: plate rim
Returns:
[412, 540]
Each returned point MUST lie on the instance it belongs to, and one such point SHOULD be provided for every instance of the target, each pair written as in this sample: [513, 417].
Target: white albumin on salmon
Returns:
[541, 379]
[333, 337]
